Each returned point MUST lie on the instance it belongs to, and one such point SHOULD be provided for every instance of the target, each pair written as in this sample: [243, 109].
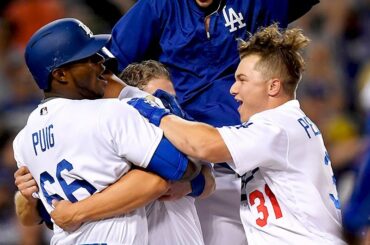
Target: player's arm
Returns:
[209, 181]
[115, 85]
[171, 164]
[136, 140]
[25, 203]
[29, 210]
[201, 186]
[26, 210]
[146, 18]
[134, 190]
[197, 140]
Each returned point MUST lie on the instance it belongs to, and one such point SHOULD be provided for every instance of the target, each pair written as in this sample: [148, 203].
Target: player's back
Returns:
[72, 155]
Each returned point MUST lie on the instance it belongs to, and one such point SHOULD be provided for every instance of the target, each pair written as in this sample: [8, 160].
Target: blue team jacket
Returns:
[356, 214]
[202, 65]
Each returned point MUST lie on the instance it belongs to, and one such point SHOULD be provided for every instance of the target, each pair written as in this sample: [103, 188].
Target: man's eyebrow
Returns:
[241, 75]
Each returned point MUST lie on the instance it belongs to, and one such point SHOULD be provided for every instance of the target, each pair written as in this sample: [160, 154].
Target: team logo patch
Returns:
[44, 111]
[233, 21]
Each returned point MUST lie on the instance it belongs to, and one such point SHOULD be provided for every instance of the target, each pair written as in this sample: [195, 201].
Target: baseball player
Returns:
[197, 41]
[178, 218]
[76, 145]
[149, 76]
[288, 189]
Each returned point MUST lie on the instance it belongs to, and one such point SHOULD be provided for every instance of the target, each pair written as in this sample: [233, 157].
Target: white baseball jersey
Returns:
[219, 213]
[288, 188]
[75, 148]
[171, 222]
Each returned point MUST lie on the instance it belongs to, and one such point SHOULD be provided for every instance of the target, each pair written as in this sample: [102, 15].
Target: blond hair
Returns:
[280, 51]
[139, 74]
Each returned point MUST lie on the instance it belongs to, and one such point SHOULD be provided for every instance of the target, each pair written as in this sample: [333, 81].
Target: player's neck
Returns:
[53, 94]
[276, 102]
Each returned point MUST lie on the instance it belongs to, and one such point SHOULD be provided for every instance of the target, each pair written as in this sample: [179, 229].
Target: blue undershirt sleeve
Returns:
[168, 162]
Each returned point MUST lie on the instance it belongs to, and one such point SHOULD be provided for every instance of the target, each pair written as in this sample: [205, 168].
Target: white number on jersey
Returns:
[333, 196]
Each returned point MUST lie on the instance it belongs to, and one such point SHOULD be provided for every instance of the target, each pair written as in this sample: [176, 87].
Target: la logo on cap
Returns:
[86, 29]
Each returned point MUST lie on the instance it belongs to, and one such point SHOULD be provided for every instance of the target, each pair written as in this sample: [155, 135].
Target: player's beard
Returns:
[89, 93]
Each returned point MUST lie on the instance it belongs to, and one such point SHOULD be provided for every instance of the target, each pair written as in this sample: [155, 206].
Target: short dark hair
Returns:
[139, 74]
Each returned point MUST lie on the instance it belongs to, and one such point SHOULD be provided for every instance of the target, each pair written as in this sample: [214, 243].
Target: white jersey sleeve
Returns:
[256, 143]
[17, 143]
[131, 92]
[130, 132]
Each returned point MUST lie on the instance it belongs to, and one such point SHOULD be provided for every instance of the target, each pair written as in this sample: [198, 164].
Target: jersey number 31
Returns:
[261, 208]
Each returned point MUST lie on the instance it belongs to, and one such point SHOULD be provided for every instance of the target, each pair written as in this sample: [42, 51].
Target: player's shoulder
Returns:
[110, 106]
[18, 141]
[18, 137]
[115, 110]
[280, 113]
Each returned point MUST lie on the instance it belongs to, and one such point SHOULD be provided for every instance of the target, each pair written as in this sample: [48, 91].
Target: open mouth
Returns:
[240, 103]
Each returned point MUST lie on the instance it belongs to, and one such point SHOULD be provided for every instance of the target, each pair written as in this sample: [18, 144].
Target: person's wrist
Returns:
[197, 185]
[188, 188]
[78, 216]
[158, 116]
[29, 199]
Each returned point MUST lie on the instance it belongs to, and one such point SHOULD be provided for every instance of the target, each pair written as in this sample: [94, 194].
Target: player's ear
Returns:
[274, 87]
[60, 75]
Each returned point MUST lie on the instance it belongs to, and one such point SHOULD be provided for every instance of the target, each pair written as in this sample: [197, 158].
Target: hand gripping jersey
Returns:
[75, 148]
[288, 188]
[202, 64]
[171, 222]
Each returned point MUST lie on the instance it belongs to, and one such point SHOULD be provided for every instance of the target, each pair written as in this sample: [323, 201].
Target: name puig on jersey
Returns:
[231, 19]
[43, 139]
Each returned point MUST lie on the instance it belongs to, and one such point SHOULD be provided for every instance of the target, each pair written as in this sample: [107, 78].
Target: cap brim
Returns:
[97, 42]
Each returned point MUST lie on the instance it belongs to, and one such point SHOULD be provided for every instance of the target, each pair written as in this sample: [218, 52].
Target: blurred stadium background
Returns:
[335, 91]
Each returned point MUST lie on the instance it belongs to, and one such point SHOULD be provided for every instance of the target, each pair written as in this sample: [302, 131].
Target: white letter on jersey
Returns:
[232, 18]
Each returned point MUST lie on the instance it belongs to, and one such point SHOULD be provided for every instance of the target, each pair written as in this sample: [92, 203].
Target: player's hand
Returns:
[177, 190]
[25, 183]
[149, 110]
[65, 215]
[169, 101]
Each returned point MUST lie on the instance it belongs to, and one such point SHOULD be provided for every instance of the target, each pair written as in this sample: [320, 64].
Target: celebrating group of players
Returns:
[113, 165]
